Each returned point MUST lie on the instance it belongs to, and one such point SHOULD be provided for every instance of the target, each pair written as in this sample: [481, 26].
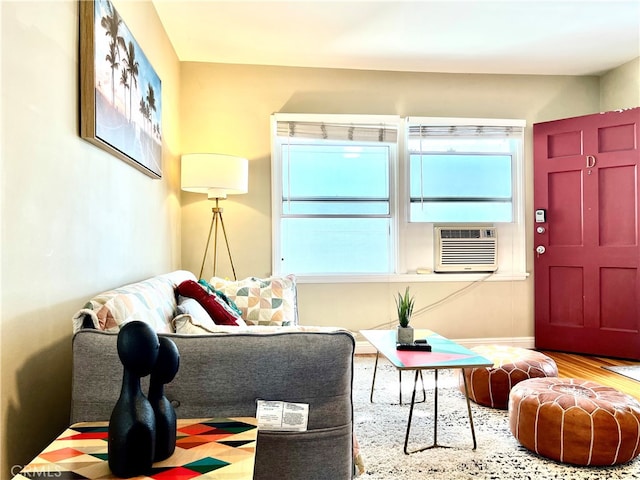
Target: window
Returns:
[462, 174]
[345, 203]
[333, 184]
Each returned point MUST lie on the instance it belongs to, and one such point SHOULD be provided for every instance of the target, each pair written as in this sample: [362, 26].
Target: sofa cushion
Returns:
[263, 301]
[186, 324]
[193, 318]
[152, 301]
[217, 309]
[191, 307]
[194, 312]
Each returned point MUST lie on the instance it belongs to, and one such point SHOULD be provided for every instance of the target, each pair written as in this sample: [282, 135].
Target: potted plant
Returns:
[404, 305]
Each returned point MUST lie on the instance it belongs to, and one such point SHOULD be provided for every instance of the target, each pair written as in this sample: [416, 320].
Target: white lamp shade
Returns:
[214, 174]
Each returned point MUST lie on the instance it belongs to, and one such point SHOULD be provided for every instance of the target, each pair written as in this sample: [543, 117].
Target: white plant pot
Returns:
[405, 335]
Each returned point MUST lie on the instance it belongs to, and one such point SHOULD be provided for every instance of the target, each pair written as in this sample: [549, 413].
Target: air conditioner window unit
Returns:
[466, 249]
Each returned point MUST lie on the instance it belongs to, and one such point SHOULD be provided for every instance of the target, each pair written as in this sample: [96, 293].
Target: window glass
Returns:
[335, 179]
[460, 179]
[460, 188]
[335, 208]
[335, 245]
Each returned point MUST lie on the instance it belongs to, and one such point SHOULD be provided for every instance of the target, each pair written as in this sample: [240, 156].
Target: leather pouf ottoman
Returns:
[490, 386]
[575, 421]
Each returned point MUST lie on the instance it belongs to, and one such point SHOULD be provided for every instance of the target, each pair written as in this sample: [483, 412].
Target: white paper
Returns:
[282, 416]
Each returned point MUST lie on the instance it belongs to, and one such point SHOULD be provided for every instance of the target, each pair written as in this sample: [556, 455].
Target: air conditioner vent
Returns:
[466, 249]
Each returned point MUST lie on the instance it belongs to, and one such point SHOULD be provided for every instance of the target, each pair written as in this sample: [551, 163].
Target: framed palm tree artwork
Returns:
[120, 92]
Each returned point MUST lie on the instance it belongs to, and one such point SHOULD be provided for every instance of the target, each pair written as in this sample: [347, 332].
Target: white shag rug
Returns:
[381, 426]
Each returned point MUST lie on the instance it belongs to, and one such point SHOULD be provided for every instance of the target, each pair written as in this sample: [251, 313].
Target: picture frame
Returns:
[120, 92]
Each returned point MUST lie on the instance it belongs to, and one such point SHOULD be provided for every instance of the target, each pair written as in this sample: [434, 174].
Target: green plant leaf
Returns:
[404, 306]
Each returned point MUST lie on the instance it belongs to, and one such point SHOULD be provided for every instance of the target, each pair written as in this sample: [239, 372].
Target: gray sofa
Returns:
[223, 375]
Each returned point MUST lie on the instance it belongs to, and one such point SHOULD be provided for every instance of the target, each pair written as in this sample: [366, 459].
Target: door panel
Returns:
[564, 144]
[617, 191]
[616, 138]
[565, 296]
[618, 299]
[565, 198]
[587, 278]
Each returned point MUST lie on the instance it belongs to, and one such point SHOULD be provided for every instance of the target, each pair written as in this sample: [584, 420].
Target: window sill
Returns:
[414, 278]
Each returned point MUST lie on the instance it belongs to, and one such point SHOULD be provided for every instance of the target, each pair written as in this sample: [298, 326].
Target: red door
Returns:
[586, 236]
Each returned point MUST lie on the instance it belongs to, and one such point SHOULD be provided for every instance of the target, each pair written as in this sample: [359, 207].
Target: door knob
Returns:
[540, 249]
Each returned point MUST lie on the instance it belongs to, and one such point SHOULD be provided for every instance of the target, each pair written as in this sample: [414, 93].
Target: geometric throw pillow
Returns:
[220, 295]
[262, 301]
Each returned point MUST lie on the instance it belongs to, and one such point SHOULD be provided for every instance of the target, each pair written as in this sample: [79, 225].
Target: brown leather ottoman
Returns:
[575, 421]
[490, 386]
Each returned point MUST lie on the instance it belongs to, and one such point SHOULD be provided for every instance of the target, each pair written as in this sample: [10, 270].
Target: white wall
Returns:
[620, 88]
[75, 220]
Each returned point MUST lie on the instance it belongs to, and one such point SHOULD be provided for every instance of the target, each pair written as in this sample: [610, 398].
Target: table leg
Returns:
[435, 408]
[424, 393]
[466, 394]
[435, 414]
[373, 382]
[413, 401]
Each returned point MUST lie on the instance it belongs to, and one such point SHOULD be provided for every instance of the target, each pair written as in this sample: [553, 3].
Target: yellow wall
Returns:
[74, 220]
[620, 88]
[226, 109]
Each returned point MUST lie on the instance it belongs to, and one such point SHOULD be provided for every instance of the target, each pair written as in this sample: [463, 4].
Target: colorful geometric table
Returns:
[214, 448]
[444, 354]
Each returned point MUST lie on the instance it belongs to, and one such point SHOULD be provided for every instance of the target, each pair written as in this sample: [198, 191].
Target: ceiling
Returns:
[547, 37]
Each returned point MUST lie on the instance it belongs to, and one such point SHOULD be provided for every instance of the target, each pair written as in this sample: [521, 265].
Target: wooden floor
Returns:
[590, 368]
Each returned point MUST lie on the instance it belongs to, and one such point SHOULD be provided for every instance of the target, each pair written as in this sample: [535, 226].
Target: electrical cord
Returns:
[436, 304]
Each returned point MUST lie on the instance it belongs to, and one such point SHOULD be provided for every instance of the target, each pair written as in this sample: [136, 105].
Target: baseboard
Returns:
[365, 348]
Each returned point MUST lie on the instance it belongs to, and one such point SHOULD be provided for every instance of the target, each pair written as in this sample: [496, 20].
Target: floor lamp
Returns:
[217, 176]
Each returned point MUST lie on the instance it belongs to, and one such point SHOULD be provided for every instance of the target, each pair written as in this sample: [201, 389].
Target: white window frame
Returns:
[277, 187]
[511, 236]
[409, 239]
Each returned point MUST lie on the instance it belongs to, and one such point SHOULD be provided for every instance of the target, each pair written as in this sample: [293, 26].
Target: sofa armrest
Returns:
[152, 301]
